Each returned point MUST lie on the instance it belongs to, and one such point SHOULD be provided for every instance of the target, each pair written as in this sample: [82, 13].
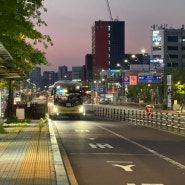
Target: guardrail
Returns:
[162, 120]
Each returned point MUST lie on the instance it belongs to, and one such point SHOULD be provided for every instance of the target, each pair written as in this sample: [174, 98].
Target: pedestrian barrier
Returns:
[174, 122]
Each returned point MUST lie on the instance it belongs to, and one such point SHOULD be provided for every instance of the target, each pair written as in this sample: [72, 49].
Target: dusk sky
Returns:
[70, 21]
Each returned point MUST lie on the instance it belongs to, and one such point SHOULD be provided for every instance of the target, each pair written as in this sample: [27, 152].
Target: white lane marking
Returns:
[146, 184]
[127, 162]
[92, 138]
[127, 168]
[121, 154]
[81, 130]
[100, 145]
[175, 163]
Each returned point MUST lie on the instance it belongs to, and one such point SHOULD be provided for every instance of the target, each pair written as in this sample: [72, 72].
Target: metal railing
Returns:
[169, 121]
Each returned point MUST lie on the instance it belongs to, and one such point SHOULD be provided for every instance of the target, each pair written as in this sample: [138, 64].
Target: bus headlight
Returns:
[55, 109]
[50, 104]
[81, 109]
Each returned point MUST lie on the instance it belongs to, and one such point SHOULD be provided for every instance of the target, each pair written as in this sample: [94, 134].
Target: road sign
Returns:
[126, 80]
[153, 78]
[133, 80]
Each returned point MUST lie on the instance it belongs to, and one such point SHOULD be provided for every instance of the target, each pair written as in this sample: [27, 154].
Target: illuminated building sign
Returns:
[156, 37]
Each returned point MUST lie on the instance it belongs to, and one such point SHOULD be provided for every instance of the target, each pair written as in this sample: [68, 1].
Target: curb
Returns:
[60, 171]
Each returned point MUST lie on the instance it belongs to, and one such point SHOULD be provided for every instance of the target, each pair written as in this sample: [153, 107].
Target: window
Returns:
[172, 48]
[173, 56]
[183, 39]
[172, 38]
[157, 48]
[172, 64]
[183, 47]
[156, 56]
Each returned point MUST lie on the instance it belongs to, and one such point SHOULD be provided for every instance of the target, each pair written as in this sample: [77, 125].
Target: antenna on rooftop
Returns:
[109, 10]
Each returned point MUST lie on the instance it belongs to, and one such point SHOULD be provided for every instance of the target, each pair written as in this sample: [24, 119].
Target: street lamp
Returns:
[127, 62]
[135, 57]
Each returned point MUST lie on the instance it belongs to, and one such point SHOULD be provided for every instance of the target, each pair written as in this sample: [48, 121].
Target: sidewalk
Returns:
[29, 156]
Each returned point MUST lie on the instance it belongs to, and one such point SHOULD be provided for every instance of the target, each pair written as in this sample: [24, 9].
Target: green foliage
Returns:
[143, 91]
[178, 90]
[19, 20]
[43, 121]
[12, 119]
[2, 130]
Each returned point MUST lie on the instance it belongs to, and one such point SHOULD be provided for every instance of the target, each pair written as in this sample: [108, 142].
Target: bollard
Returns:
[161, 119]
[144, 117]
[124, 115]
[167, 121]
[132, 119]
[128, 115]
[120, 114]
[172, 122]
[136, 117]
[114, 114]
[139, 117]
[179, 123]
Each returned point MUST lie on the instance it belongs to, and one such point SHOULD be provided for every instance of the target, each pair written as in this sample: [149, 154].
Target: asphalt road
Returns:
[117, 153]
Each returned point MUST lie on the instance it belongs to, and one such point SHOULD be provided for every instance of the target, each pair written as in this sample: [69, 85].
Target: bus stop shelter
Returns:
[8, 71]
[6, 65]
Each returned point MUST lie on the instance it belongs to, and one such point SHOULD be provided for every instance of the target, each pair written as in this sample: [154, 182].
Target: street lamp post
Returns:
[121, 82]
[169, 85]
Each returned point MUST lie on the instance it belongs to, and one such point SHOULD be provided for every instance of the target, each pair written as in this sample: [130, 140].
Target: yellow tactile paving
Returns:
[36, 163]
[25, 157]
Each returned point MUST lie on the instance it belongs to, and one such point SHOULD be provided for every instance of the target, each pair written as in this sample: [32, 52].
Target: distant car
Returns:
[105, 101]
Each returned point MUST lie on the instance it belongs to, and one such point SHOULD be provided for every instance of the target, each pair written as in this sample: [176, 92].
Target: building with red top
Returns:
[108, 45]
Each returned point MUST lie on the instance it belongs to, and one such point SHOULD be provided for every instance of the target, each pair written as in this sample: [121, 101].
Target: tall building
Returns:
[49, 78]
[78, 73]
[168, 47]
[35, 77]
[108, 45]
[89, 68]
[62, 72]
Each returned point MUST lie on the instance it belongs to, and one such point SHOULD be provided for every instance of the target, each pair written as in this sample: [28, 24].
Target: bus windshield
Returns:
[67, 95]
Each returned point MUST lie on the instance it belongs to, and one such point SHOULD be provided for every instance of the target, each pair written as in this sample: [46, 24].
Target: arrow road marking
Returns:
[127, 168]
[175, 163]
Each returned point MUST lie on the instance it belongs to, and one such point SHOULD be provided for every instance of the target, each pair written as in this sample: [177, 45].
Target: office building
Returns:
[62, 72]
[108, 45]
[35, 77]
[78, 73]
[89, 68]
[168, 47]
[49, 78]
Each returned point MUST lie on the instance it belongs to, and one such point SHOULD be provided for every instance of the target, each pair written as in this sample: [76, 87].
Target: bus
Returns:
[65, 98]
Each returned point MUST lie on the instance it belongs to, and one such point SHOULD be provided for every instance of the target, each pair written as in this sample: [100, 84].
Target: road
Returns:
[103, 152]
